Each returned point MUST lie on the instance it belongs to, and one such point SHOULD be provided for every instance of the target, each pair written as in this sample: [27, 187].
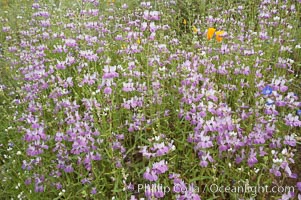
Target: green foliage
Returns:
[108, 178]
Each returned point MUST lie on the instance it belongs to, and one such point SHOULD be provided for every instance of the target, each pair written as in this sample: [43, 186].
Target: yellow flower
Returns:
[219, 36]
[110, 2]
[210, 33]
[194, 29]
[138, 41]
[184, 21]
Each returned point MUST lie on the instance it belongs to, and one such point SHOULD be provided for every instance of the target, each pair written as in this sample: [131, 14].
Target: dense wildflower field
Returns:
[166, 99]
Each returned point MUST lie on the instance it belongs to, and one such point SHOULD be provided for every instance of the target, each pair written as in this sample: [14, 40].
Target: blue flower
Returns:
[269, 102]
[267, 90]
[298, 112]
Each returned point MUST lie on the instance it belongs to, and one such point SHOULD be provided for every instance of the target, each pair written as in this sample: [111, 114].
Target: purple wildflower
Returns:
[69, 169]
[39, 188]
[94, 190]
[160, 167]
[252, 158]
[289, 140]
[299, 186]
[107, 90]
[150, 175]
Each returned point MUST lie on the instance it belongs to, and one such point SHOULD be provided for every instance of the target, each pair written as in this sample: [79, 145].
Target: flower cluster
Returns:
[99, 84]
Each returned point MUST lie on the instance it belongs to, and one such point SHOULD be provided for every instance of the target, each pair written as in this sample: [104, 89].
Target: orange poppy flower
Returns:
[219, 36]
[210, 33]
